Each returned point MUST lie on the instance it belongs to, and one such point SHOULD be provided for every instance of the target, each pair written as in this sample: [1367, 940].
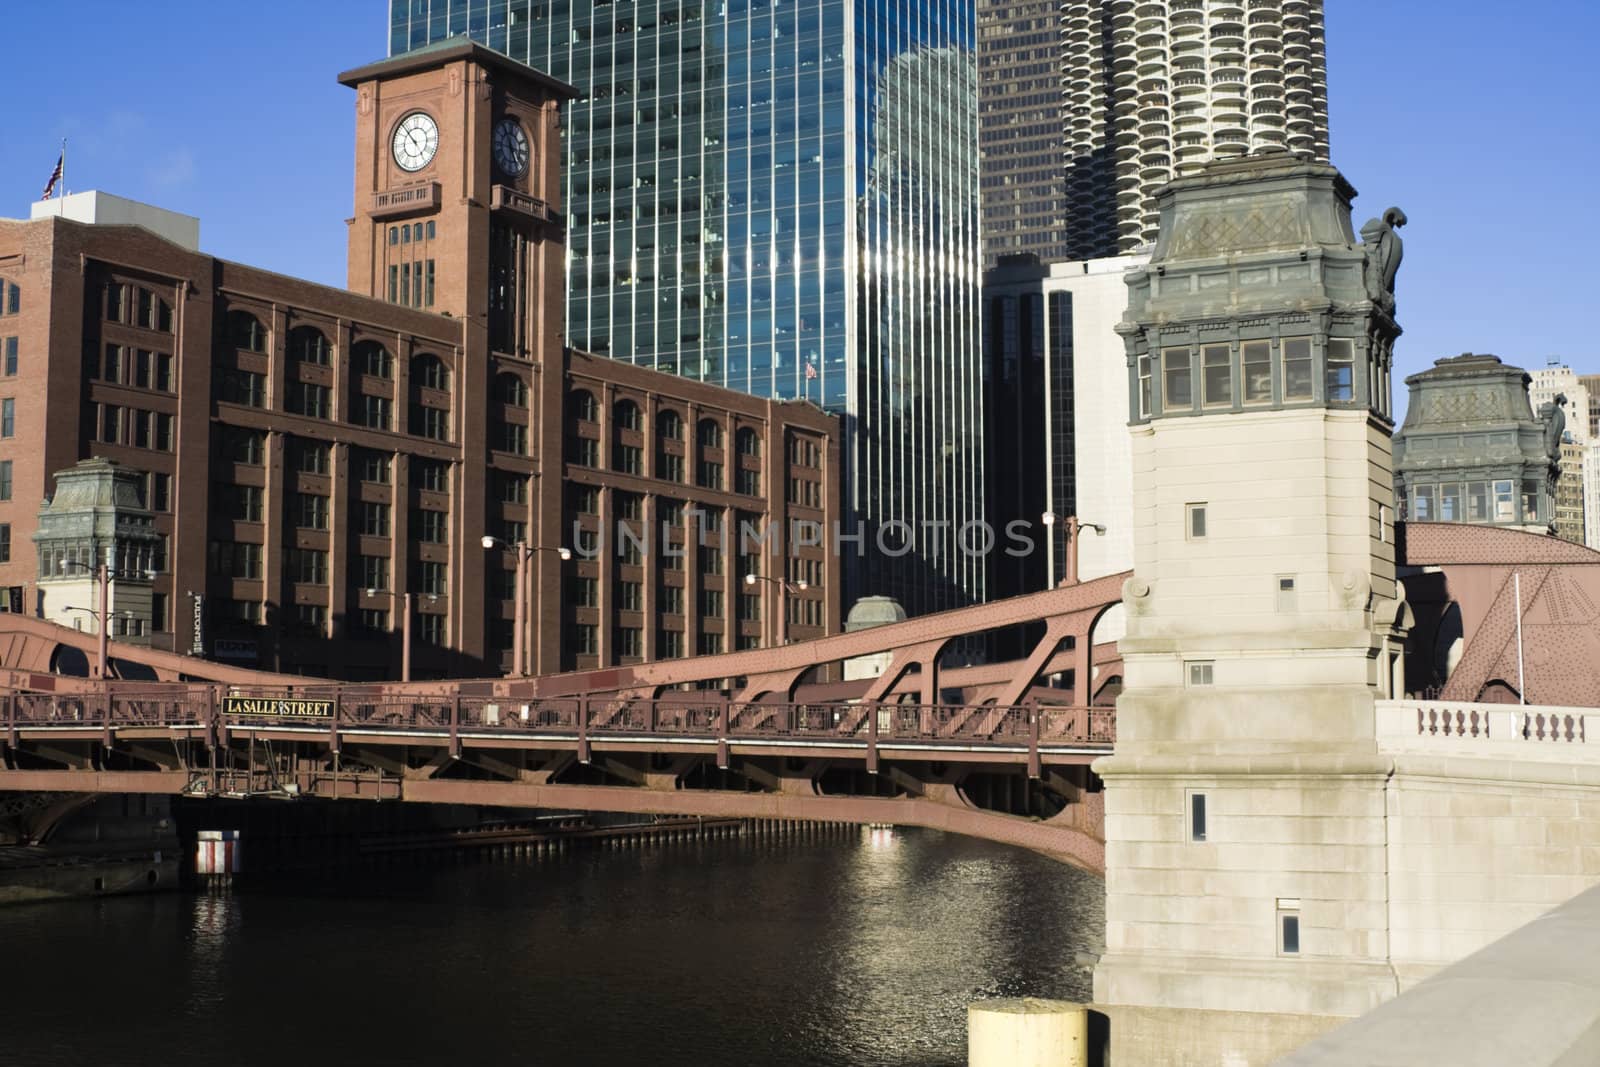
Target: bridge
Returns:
[989, 750]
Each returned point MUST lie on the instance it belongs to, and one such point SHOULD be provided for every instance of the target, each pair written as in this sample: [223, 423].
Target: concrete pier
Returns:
[1027, 1033]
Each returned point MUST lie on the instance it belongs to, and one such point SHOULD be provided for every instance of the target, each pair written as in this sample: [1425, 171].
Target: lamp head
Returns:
[749, 579]
[802, 585]
[489, 540]
[1048, 518]
[564, 553]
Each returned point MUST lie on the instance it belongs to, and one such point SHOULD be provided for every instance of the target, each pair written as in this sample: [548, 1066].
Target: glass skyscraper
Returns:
[782, 198]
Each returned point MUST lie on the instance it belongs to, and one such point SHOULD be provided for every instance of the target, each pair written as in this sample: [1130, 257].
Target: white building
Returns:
[1558, 378]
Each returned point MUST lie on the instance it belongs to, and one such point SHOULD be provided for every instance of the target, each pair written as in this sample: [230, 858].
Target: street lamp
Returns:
[102, 622]
[103, 573]
[1073, 526]
[524, 553]
[785, 586]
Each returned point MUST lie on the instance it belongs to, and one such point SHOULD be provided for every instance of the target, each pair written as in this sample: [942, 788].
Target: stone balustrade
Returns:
[1513, 731]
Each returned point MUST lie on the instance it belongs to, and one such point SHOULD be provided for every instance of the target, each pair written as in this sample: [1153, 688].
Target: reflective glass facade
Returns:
[782, 198]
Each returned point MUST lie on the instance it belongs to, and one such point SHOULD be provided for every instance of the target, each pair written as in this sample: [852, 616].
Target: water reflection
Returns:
[852, 949]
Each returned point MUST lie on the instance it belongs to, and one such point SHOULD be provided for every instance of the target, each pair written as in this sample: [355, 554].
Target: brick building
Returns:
[324, 466]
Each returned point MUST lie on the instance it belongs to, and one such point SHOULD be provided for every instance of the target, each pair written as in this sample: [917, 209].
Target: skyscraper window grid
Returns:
[781, 198]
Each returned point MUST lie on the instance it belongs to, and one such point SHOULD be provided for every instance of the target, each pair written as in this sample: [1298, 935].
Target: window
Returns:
[240, 387]
[628, 416]
[116, 296]
[374, 620]
[711, 603]
[582, 406]
[747, 481]
[311, 617]
[629, 459]
[749, 606]
[511, 488]
[1146, 397]
[374, 467]
[308, 566]
[1217, 361]
[431, 628]
[375, 411]
[510, 437]
[1505, 502]
[13, 304]
[709, 434]
[671, 467]
[1201, 672]
[1341, 382]
[583, 591]
[670, 425]
[1197, 816]
[1195, 521]
[246, 611]
[310, 399]
[232, 559]
[429, 372]
[1450, 502]
[432, 423]
[162, 379]
[630, 596]
[1288, 926]
[749, 443]
[5, 479]
[432, 578]
[11, 356]
[311, 457]
[586, 452]
[708, 474]
[672, 599]
[374, 572]
[158, 612]
[159, 496]
[584, 640]
[311, 511]
[245, 331]
[307, 345]
[1422, 502]
[671, 644]
[710, 644]
[239, 503]
[1287, 602]
[513, 390]
[244, 446]
[5, 542]
[8, 417]
[1296, 368]
[432, 475]
[112, 371]
[374, 519]
[374, 360]
[428, 526]
[630, 641]
[1177, 384]
[1477, 503]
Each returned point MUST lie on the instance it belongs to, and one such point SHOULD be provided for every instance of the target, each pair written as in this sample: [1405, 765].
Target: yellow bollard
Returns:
[1029, 1032]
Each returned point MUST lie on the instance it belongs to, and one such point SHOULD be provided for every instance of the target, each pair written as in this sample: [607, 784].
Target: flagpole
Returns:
[63, 193]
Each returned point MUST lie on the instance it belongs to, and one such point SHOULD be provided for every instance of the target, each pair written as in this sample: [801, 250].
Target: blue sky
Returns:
[1477, 118]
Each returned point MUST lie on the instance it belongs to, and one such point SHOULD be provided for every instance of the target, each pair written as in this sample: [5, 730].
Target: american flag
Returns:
[811, 371]
[55, 176]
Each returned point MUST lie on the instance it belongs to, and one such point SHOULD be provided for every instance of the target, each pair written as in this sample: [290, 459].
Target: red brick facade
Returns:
[315, 455]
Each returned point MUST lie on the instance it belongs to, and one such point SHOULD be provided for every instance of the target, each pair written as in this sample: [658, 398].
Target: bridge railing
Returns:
[375, 710]
[1515, 731]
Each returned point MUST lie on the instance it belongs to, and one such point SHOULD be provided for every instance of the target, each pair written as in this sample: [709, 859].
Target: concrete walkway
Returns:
[1531, 999]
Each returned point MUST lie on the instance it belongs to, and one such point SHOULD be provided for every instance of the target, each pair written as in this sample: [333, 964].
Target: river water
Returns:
[850, 949]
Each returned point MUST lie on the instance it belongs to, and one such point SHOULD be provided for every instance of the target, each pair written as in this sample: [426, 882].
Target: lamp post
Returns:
[102, 621]
[1073, 527]
[102, 576]
[520, 612]
[785, 586]
[405, 632]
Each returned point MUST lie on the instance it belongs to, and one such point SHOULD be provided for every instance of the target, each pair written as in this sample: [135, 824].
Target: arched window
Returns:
[245, 331]
[512, 390]
[373, 360]
[429, 372]
[308, 345]
[628, 417]
[749, 442]
[710, 433]
[708, 471]
[670, 425]
[583, 407]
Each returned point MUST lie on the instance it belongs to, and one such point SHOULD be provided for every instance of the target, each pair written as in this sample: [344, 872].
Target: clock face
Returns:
[416, 139]
[511, 147]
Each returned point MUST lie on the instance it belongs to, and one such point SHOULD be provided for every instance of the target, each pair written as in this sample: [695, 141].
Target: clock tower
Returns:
[457, 192]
